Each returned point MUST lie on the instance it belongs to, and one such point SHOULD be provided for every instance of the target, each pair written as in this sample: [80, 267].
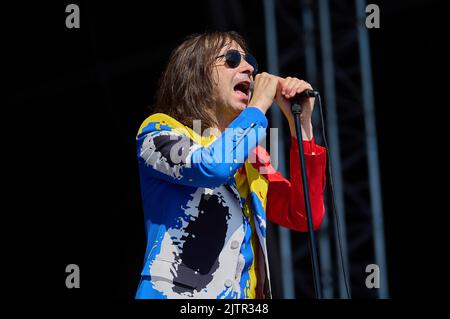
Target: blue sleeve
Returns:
[174, 157]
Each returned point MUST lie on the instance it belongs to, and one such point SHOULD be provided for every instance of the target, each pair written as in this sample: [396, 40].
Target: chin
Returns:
[236, 107]
[241, 106]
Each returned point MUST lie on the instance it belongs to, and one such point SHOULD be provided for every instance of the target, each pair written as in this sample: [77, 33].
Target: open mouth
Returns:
[243, 89]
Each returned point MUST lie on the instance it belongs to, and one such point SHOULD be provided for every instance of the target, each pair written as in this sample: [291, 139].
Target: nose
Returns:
[246, 67]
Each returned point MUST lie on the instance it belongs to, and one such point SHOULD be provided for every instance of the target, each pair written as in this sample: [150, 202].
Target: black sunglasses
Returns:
[233, 59]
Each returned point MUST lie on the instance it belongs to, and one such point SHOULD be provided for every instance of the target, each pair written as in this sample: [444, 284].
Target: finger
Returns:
[298, 87]
[294, 90]
[288, 85]
[294, 85]
[280, 84]
[302, 86]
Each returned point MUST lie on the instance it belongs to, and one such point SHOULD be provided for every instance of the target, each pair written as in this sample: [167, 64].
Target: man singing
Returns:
[206, 197]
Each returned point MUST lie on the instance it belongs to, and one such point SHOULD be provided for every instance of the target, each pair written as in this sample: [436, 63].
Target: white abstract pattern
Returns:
[167, 263]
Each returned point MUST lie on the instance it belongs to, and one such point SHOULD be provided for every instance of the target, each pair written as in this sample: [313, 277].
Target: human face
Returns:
[232, 84]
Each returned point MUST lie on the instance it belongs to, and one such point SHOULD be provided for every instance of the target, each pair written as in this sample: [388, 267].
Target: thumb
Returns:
[279, 88]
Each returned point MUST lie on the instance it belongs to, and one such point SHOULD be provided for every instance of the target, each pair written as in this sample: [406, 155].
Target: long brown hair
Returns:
[186, 88]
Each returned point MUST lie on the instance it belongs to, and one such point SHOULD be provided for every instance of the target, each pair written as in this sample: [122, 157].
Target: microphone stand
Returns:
[297, 110]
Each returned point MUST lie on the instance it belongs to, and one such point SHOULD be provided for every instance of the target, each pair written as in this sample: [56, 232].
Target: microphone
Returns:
[309, 93]
[296, 101]
[305, 94]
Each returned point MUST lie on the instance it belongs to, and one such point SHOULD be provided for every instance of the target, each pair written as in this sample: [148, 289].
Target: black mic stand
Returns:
[297, 110]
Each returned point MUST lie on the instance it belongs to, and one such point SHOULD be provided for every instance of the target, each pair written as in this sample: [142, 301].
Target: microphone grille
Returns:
[252, 86]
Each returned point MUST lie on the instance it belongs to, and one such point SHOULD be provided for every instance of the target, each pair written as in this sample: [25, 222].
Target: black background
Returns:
[75, 99]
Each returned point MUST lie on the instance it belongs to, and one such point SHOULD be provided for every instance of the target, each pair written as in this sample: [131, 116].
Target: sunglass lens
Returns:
[233, 58]
[252, 61]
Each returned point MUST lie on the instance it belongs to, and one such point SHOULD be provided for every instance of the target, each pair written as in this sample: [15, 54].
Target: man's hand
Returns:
[287, 89]
[264, 91]
[268, 87]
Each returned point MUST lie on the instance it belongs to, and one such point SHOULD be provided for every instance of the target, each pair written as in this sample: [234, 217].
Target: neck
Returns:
[224, 120]
[224, 117]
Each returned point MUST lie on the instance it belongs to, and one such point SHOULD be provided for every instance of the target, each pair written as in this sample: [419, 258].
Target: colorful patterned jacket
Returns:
[205, 209]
